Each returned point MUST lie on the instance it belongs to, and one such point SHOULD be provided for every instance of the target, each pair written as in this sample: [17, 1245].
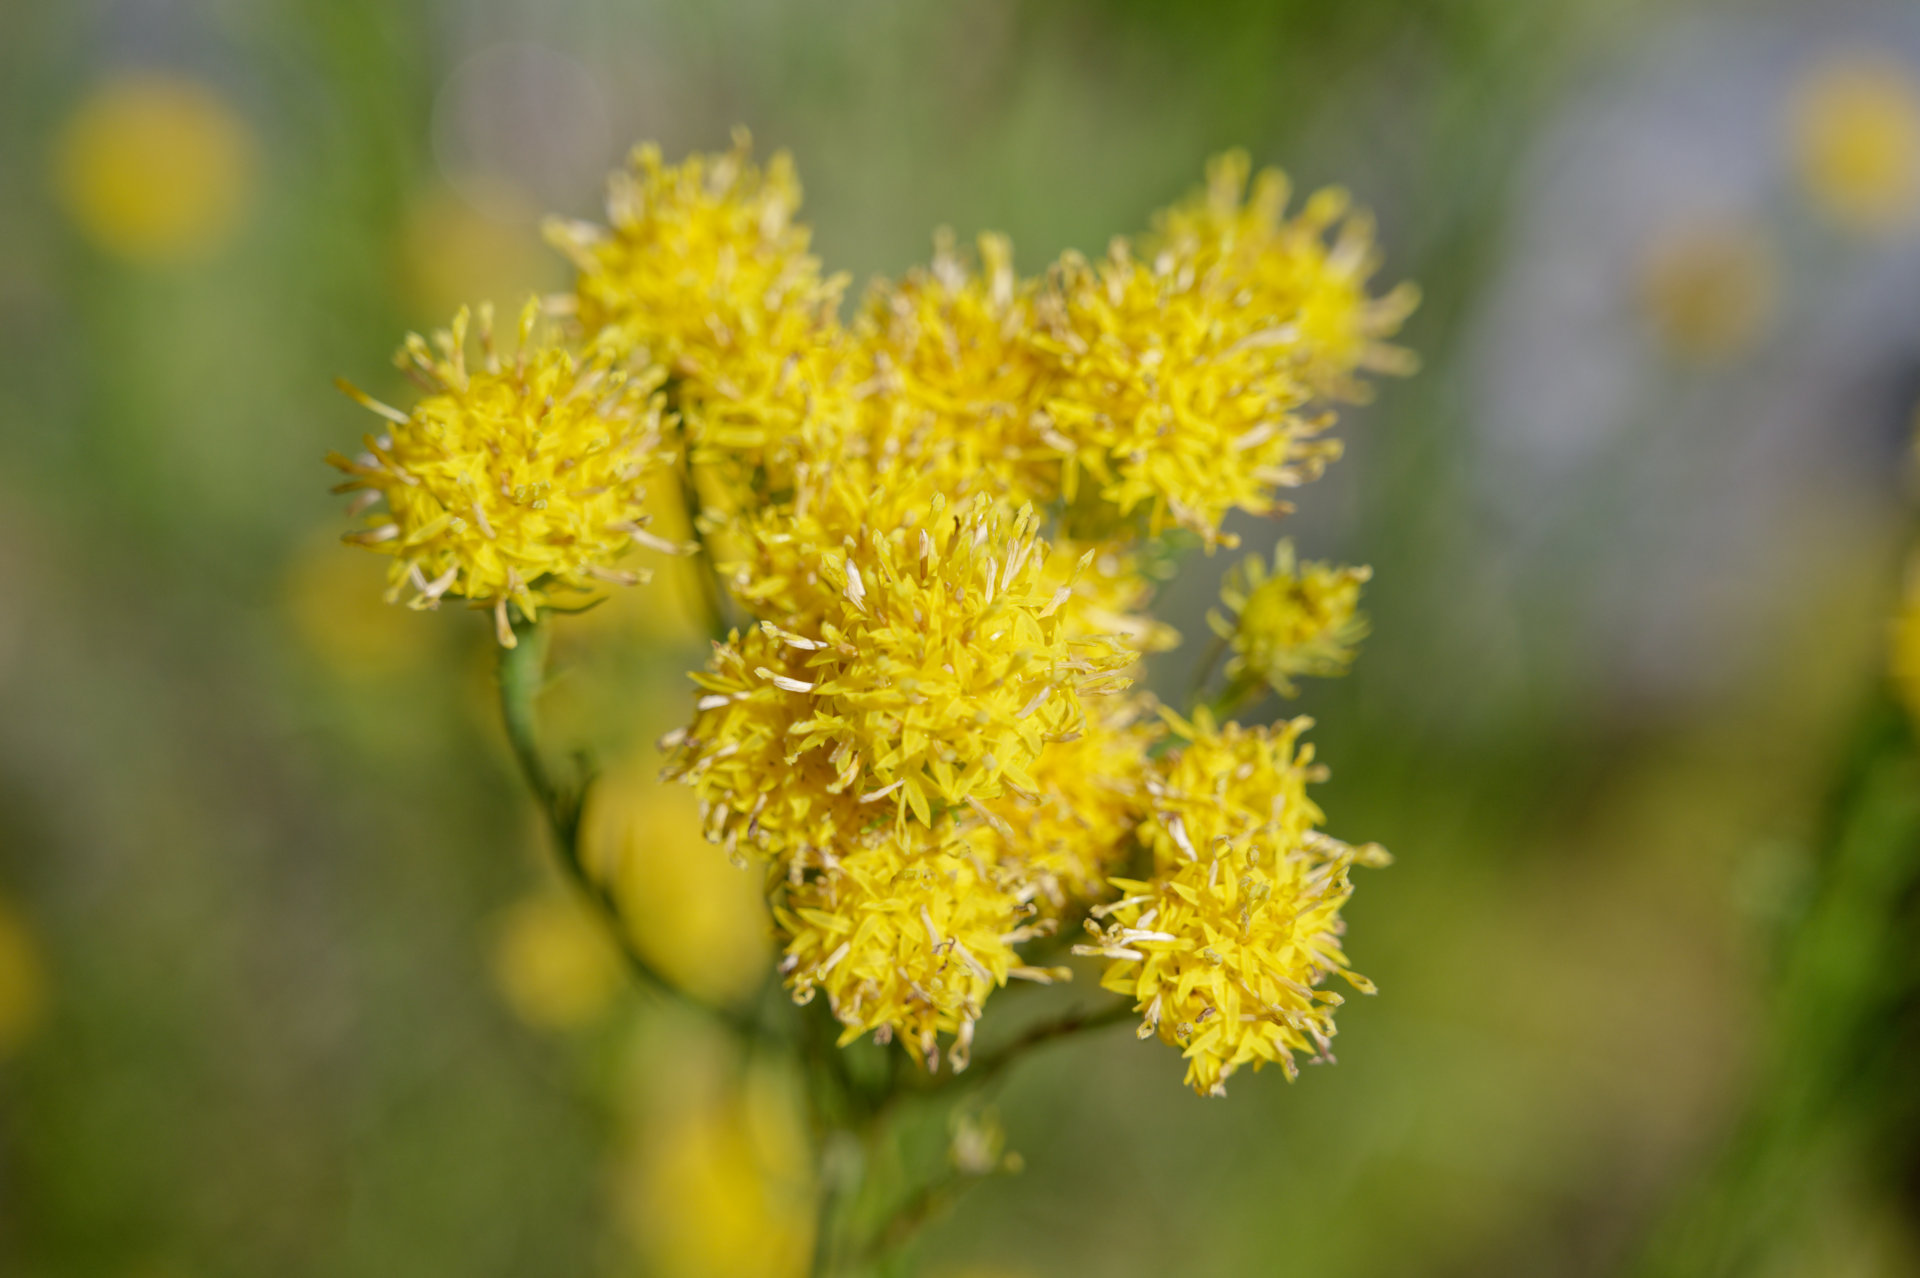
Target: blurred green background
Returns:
[285, 987]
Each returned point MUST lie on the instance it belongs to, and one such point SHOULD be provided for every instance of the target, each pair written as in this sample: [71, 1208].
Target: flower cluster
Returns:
[936, 525]
[1224, 945]
[517, 481]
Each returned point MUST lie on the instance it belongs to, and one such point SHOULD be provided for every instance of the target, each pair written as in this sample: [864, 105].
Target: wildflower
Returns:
[950, 369]
[1077, 828]
[1297, 619]
[1111, 593]
[907, 935]
[554, 964]
[518, 481]
[933, 668]
[155, 168]
[1223, 947]
[1192, 382]
[705, 271]
[1303, 278]
[1709, 290]
[1855, 123]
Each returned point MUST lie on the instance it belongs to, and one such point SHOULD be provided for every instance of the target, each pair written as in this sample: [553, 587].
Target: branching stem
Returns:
[522, 676]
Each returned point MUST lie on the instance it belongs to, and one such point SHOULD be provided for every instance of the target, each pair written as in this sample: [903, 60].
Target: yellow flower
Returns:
[931, 671]
[1111, 593]
[1298, 619]
[1222, 948]
[1292, 273]
[1189, 379]
[521, 480]
[23, 989]
[1710, 289]
[688, 911]
[705, 271]
[1077, 828]
[554, 963]
[953, 377]
[1855, 123]
[908, 935]
[717, 1182]
[155, 168]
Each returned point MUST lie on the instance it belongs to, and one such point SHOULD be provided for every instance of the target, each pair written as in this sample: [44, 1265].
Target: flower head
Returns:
[1223, 948]
[705, 270]
[953, 375]
[1077, 828]
[908, 935]
[1856, 136]
[1191, 378]
[927, 671]
[1297, 619]
[519, 480]
[1302, 280]
[156, 169]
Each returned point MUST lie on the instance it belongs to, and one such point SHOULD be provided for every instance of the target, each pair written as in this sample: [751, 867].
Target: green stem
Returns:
[937, 1196]
[931, 1200]
[1204, 671]
[522, 676]
[988, 1067]
[718, 623]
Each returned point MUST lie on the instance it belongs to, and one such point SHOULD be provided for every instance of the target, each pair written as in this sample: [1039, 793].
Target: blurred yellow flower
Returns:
[1297, 619]
[1709, 289]
[450, 251]
[155, 168]
[332, 603]
[23, 994]
[1855, 123]
[554, 963]
[692, 913]
[718, 1183]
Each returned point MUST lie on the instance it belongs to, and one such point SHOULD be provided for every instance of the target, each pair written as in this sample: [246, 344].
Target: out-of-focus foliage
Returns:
[1638, 531]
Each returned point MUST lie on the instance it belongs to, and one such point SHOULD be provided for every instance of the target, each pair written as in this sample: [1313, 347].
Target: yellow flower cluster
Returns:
[1224, 946]
[1193, 375]
[1295, 619]
[937, 525]
[515, 481]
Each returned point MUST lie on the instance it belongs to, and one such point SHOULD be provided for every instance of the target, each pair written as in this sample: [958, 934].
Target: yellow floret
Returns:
[935, 666]
[952, 376]
[1297, 619]
[1077, 829]
[1301, 282]
[706, 272]
[520, 480]
[1191, 378]
[907, 935]
[1221, 950]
